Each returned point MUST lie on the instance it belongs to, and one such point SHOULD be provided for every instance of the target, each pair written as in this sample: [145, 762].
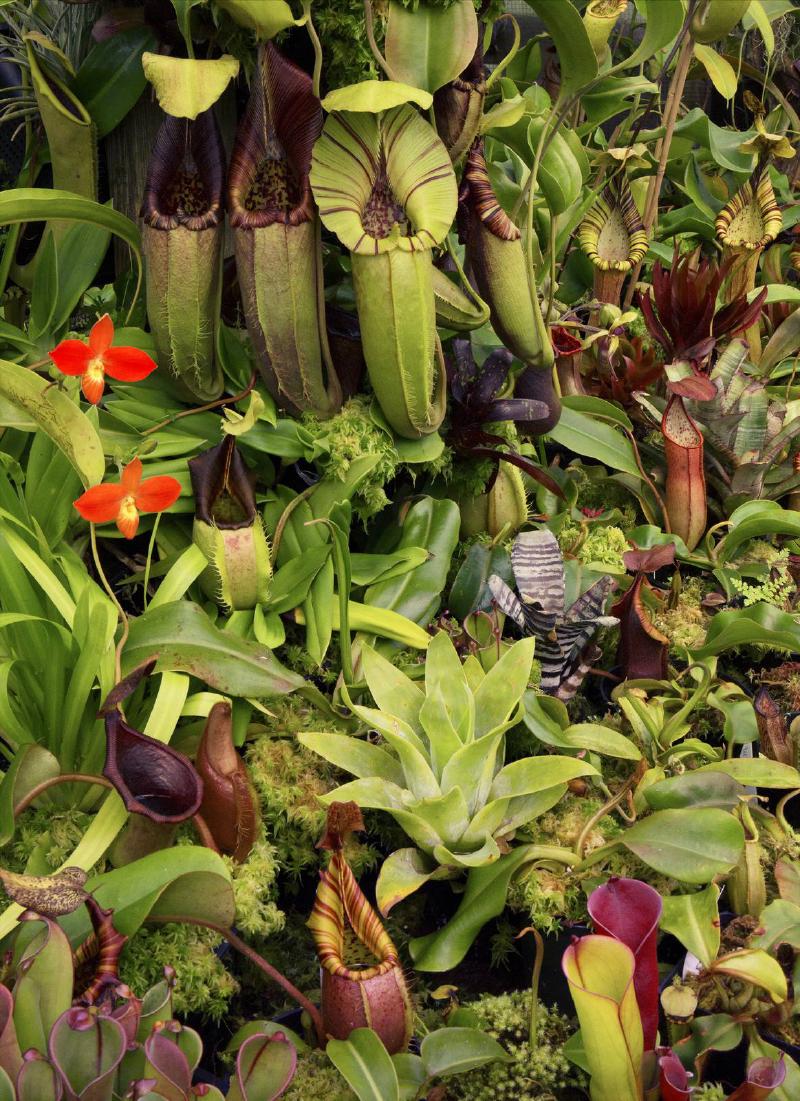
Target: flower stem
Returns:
[122, 614]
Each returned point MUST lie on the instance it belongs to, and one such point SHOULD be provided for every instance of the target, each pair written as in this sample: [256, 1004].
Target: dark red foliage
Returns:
[629, 911]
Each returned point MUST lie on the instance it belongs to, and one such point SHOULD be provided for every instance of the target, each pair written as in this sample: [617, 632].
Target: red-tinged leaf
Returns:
[629, 911]
[763, 1076]
[230, 805]
[696, 387]
[643, 649]
[649, 559]
[152, 778]
[686, 482]
[673, 1079]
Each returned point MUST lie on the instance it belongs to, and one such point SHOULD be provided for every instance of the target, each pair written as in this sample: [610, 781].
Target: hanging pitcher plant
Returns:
[228, 529]
[613, 237]
[355, 997]
[385, 186]
[686, 480]
[275, 233]
[749, 222]
[496, 260]
[458, 107]
[182, 244]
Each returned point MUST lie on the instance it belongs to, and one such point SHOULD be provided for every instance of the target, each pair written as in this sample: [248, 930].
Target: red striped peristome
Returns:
[373, 997]
[104, 946]
[479, 195]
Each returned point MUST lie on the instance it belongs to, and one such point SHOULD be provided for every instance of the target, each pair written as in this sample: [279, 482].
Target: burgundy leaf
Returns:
[673, 1079]
[222, 485]
[642, 651]
[629, 911]
[517, 409]
[738, 315]
[230, 804]
[127, 686]
[651, 559]
[773, 732]
[564, 342]
[152, 778]
[697, 387]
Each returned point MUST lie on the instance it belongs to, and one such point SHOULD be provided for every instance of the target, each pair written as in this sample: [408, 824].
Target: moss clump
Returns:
[254, 887]
[709, 1092]
[351, 435]
[601, 546]
[317, 1078]
[289, 780]
[49, 834]
[203, 984]
[685, 625]
[533, 1074]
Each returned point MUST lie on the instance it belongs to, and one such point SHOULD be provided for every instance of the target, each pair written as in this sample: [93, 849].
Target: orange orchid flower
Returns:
[123, 501]
[96, 359]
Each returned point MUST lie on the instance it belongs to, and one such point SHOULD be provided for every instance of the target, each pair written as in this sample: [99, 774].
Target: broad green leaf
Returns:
[779, 924]
[34, 204]
[355, 755]
[755, 519]
[720, 71]
[371, 792]
[575, 53]
[694, 790]
[756, 966]
[110, 79]
[783, 343]
[458, 1050]
[184, 881]
[483, 900]
[499, 693]
[402, 873]
[44, 296]
[472, 768]
[368, 569]
[56, 414]
[756, 772]
[533, 774]
[692, 846]
[80, 253]
[591, 438]
[185, 87]
[694, 920]
[392, 690]
[427, 47]
[185, 640]
[663, 20]
[374, 96]
[434, 525]
[290, 583]
[365, 1065]
[761, 623]
[410, 1074]
[600, 739]
[444, 675]
[30, 765]
[266, 19]
[470, 587]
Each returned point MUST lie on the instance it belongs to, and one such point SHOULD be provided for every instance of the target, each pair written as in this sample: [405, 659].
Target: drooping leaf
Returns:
[58, 415]
[694, 920]
[186, 87]
[430, 46]
[690, 845]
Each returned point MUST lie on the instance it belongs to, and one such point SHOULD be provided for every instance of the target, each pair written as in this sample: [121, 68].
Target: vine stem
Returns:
[121, 611]
[671, 108]
[589, 825]
[315, 42]
[202, 408]
[263, 965]
[373, 45]
[533, 1027]
[54, 781]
